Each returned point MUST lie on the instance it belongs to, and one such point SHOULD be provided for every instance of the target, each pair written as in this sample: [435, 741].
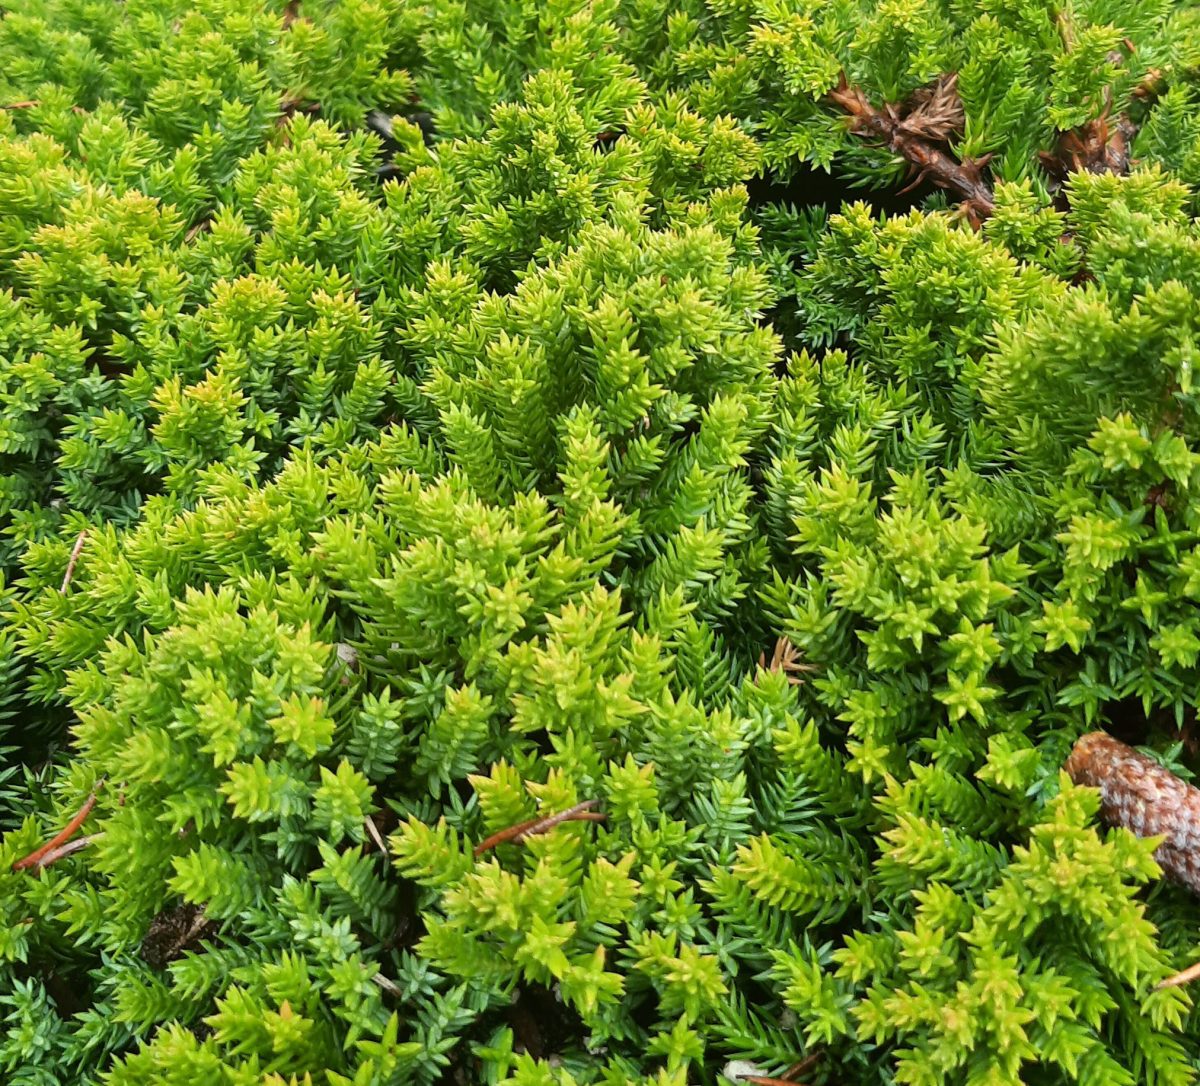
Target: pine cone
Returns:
[1140, 795]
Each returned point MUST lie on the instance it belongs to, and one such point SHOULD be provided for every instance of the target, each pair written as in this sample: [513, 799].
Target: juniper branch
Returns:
[914, 133]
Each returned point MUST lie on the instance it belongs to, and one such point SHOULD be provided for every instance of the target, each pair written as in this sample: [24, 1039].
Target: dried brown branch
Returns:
[288, 106]
[786, 658]
[1099, 146]
[202, 225]
[807, 1064]
[38, 856]
[934, 113]
[581, 812]
[29, 104]
[914, 131]
[1185, 976]
[389, 986]
[788, 1078]
[1152, 85]
[1143, 797]
[70, 847]
[75, 552]
[375, 836]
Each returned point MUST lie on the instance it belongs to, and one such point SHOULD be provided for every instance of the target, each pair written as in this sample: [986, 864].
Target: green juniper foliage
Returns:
[502, 595]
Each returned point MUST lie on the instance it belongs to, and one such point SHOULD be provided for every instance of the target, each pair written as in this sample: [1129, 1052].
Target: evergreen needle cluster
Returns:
[504, 582]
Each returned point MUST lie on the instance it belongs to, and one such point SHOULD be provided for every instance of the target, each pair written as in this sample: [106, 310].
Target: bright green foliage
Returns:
[1026, 69]
[459, 441]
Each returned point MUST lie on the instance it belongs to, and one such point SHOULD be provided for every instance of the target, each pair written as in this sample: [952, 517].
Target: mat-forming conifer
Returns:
[507, 580]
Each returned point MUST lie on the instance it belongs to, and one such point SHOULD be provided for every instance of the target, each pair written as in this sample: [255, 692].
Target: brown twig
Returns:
[1182, 977]
[581, 812]
[38, 856]
[1152, 85]
[800, 1066]
[290, 105]
[786, 658]
[70, 847]
[788, 1078]
[203, 224]
[22, 105]
[1095, 147]
[935, 114]
[914, 130]
[75, 552]
[389, 986]
[172, 931]
[373, 831]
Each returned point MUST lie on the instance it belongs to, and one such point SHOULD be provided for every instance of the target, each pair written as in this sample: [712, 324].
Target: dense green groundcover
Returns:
[421, 417]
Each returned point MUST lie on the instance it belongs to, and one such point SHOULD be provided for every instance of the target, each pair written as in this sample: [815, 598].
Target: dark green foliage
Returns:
[457, 441]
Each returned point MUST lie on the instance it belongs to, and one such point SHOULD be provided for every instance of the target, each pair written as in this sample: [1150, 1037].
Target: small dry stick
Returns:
[788, 1078]
[1151, 86]
[203, 224]
[194, 930]
[373, 830]
[22, 105]
[581, 812]
[38, 856]
[75, 552]
[922, 139]
[1183, 977]
[77, 845]
[806, 1064]
[389, 986]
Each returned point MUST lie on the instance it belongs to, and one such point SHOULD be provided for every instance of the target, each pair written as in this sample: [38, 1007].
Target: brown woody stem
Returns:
[962, 179]
[75, 552]
[1182, 977]
[581, 812]
[70, 847]
[37, 858]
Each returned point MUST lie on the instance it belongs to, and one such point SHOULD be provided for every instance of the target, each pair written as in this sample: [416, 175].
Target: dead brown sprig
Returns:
[1184, 976]
[75, 553]
[1153, 83]
[933, 113]
[389, 986]
[1100, 145]
[197, 229]
[78, 845]
[788, 1078]
[785, 657]
[581, 812]
[375, 835]
[919, 131]
[39, 857]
